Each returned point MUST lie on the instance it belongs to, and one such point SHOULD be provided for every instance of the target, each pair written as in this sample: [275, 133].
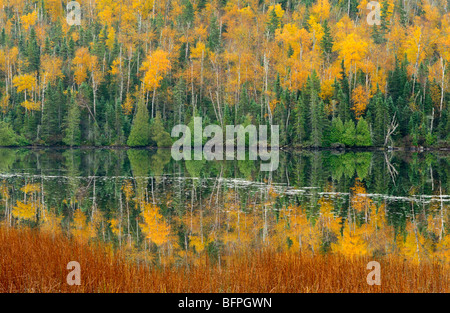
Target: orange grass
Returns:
[31, 261]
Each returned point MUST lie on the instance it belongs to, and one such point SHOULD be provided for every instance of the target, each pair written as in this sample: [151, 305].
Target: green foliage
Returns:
[140, 130]
[8, 137]
[158, 133]
[72, 132]
[349, 134]
[363, 138]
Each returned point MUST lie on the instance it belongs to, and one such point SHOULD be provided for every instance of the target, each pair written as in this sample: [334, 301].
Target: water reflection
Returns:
[164, 212]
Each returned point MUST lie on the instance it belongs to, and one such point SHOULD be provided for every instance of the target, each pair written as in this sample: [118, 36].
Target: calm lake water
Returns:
[163, 211]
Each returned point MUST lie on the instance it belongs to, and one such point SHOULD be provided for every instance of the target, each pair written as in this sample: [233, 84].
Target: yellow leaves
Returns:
[360, 98]
[29, 20]
[84, 61]
[111, 38]
[415, 248]
[115, 67]
[4, 190]
[127, 106]
[25, 82]
[156, 65]
[413, 45]
[351, 243]
[298, 39]
[442, 251]
[4, 104]
[51, 68]
[279, 12]
[115, 226]
[321, 9]
[154, 225]
[316, 30]
[352, 49]
[80, 63]
[199, 51]
[127, 188]
[50, 222]
[359, 200]
[327, 90]
[31, 105]
[25, 211]
[31, 188]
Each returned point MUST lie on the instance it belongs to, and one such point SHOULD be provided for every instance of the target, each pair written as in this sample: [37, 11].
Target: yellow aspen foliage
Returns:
[127, 189]
[25, 82]
[415, 247]
[128, 105]
[80, 64]
[31, 105]
[4, 190]
[25, 211]
[352, 49]
[316, 31]
[4, 104]
[115, 226]
[303, 235]
[328, 223]
[359, 200]
[442, 251]
[154, 226]
[156, 65]
[29, 20]
[51, 68]
[79, 226]
[199, 51]
[50, 222]
[360, 98]
[321, 9]
[54, 9]
[351, 243]
[111, 38]
[31, 188]
[279, 12]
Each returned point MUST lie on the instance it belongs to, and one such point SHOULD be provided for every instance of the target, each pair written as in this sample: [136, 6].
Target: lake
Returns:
[162, 211]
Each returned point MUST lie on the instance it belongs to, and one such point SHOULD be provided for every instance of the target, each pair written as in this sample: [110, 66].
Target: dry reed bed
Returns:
[31, 261]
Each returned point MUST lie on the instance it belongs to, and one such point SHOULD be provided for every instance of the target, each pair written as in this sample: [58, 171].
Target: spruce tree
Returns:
[72, 131]
[140, 129]
[363, 138]
[159, 134]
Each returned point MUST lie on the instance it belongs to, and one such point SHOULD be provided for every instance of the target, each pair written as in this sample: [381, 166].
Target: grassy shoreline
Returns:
[33, 261]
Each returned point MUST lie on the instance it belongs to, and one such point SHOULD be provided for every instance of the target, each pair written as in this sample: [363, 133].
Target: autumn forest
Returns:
[134, 69]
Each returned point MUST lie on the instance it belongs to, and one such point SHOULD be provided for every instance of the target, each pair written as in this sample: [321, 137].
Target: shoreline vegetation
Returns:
[282, 148]
[35, 261]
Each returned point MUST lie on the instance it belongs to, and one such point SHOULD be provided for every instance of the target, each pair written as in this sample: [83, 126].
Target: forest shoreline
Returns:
[282, 148]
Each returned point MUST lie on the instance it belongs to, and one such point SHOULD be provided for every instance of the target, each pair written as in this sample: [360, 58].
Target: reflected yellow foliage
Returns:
[25, 211]
[154, 225]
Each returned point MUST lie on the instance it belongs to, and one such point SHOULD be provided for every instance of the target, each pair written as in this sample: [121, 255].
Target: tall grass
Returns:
[31, 261]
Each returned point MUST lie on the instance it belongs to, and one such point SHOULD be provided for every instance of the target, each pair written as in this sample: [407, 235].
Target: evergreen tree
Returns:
[72, 132]
[140, 130]
[337, 130]
[363, 138]
[214, 34]
[349, 135]
[327, 41]
[159, 134]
